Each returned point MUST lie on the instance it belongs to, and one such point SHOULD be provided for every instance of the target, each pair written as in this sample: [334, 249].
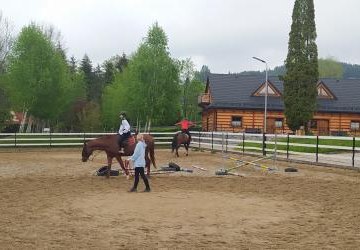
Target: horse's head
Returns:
[174, 143]
[86, 152]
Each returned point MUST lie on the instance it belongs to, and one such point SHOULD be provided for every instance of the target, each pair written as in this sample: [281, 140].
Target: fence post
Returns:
[199, 139]
[50, 138]
[84, 137]
[317, 148]
[15, 142]
[287, 146]
[212, 140]
[264, 144]
[243, 142]
[227, 137]
[353, 152]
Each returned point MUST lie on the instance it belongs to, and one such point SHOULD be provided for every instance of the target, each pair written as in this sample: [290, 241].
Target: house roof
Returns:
[236, 92]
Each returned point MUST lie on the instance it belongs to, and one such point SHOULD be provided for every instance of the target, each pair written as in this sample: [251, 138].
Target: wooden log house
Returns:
[235, 103]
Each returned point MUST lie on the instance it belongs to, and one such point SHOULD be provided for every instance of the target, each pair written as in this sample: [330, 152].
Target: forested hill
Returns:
[349, 71]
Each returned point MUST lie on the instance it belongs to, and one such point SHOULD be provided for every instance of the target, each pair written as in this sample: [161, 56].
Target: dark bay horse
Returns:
[179, 139]
[109, 144]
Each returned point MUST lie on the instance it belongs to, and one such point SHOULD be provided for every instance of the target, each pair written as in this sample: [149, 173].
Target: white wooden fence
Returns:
[339, 151]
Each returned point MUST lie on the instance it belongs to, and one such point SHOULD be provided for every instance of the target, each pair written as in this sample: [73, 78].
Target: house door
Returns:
[323, 127]
[270, 125]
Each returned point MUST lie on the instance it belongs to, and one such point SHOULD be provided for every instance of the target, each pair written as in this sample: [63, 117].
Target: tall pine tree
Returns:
[87, 69]
[301, 66]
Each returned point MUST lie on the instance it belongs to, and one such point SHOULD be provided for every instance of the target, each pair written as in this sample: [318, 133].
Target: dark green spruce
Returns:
[301, 66]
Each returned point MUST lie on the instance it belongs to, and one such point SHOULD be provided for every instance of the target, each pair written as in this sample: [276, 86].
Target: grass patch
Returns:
[305, 149]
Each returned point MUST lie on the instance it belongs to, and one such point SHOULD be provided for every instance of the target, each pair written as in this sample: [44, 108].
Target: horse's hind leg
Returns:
[177, 151]
[187, 149]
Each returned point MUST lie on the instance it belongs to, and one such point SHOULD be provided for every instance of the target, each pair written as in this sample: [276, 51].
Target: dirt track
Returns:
[50, 199]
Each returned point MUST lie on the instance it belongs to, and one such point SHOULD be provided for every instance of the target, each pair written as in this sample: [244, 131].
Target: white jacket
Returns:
[124, 127]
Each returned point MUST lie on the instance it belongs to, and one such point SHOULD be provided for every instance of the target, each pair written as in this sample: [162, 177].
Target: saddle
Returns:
[129, 141]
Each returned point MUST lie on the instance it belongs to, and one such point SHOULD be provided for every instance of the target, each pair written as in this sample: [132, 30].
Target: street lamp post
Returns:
[266, 89]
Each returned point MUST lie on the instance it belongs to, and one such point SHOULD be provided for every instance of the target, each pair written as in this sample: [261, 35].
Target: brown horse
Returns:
[179, 139]
[109, 144]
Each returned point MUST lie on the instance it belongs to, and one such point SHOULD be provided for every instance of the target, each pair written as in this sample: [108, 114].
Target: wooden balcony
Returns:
[204, 99]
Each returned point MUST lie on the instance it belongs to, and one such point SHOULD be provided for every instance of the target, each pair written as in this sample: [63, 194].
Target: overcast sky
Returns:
[222, 34]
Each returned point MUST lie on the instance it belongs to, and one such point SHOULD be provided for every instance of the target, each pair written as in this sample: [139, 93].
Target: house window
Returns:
[313, 124]
[355, 125]
[236, 121]
[278, 123]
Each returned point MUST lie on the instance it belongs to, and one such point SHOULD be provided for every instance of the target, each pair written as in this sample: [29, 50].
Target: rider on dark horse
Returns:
[124, 130]
[184, 125]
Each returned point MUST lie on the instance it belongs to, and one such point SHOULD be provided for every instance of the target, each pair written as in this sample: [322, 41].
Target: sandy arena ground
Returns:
[49, 199]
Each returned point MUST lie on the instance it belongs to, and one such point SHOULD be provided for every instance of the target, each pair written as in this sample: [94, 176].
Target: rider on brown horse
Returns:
[124, 130]
[185, 124]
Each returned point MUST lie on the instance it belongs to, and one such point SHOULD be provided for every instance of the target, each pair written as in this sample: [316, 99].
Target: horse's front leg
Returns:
[177, 151]
[109, 160]
[118, 158]
[187, 149]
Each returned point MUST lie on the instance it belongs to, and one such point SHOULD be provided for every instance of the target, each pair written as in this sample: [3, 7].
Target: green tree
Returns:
[186, 73]
[351, 70]
[4, 105]
[38, 76]
[115, 99]
[90, 117]
[202, 74]
[72, 65]
[98, 84]
[121, 62]
[87, 69]
[109, 74]
[154, 80]
[194, 89]
[6, 41]
[191, 88]
[301, 66]
[94, 80]
[114, 65]
[330, 68]
[75, 101]
[148, 89]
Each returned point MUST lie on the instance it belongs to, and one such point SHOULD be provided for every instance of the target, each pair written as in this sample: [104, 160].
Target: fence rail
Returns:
[331, 150]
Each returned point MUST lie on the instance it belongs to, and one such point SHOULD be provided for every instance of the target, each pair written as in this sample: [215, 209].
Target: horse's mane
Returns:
[107, 136]
[102, 140]
[174, 141]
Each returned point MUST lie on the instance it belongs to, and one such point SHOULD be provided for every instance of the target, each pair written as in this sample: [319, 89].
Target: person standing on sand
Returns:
[138, 159]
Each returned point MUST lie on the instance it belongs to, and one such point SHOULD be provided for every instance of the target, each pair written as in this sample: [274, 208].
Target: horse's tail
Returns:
[152, 154]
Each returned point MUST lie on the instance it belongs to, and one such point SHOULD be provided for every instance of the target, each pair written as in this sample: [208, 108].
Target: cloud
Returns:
[224, 35]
